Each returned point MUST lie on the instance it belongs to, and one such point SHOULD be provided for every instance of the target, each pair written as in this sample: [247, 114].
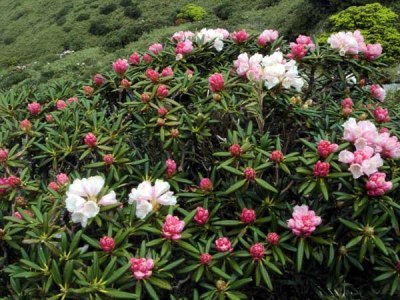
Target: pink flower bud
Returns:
[174, 132]
[277, 156]
[172, 228]
[248, 216]
[201, 216]
[88, 90]
[206, 185]
[321, 169]
[147, 58]
[167, 72]
[107, 244]
[249, 173]
[125, 84]
[62, 179]
[325, 148]
[25, 125]
[171, 167]
[90, 140]
[160, 122]
[304, 221]
[156, 48]
[120, 66]
[257, 251]
[381, 115]
[347, 111]
[134, 59]
[3, 155]
[34, 108]
[53, 186]
[205, 259]
[223, 245]
[216, 82]
[162, 91]
[152, 75]
[72, 100]
[235, 150]
[273, 238]
[347, 103]
[4, 182]
[49, 118]
[240, 36]
[108, 159]
[61, 104]
[377, 185]
[162, 111]
[98, 80]
[145, 98]
[141, 268]
[14, 181]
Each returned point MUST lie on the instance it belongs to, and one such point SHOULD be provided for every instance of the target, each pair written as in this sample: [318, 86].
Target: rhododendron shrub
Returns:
[215, 165]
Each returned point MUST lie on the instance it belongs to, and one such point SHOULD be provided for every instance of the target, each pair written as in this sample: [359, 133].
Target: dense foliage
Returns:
[215, 165]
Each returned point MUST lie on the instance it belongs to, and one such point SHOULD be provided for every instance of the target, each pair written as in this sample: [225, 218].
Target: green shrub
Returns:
[132, 12]
[126, 3]
[267, 3]
[9, 40]
[191, 12]
[107, 9]
[99, 27]
[82, 17]
[223, 11]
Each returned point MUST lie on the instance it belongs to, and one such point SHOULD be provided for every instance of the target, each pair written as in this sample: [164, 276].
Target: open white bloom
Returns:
[82, 199]
[212, 35]
[149, 198]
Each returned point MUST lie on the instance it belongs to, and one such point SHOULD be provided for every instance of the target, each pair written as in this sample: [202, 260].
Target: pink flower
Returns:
[107, 244]
[347, 103]
[360, 41]
[88, 90]
[249, 67]
[147, 58]
[134, 59]
[141, 268]
[373, 51]
[223, 244]
[377, 92]
[306, 41]
[387, 146]
[34, 108]
[257, 251]
[326, 147]
[98, 80]
[248, 216]
[206, 185]
[90, 140]
[240, 36]
[72, 100]
[345, 42]
[381, 115]
[171, 167]
[167, 72]
[108, 159]
[273, 238]
[205, 259]
[120, 66]
[249, 173]
[5, 183]
[162, 91]
[184, 47]
[235, 150]
[152, 75]
[321, 169]
[61, 104]
[20, 216]
[216, 82]
[362, 131]
[62, 179]
[14, 181]
[182, 35]
[277, 156]
[362, 161]
[49, 118]
[267, 37]
[25, 125]
[53, 186]
[304, 221]
[377, 186]
[162, 111]
[201, 216]
[298, 51]
[3, 155]
[172, 228]
[156, 48]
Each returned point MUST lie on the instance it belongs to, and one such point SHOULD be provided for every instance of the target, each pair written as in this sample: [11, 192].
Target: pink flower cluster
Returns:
[223, 244]
[141, 268]
[171, 167]
[3, 155]
[9, 182]
[377, 92]
[248, 216]
[267, 37]
[377, 184]
[206, 185]
[172, 228]
[216, 82]
[321, 169]
[201, 216]
[304, 221]
[34, 108]
[381, 115]
[277, 156]
[240, 36]
[325, 148]
[257, 251]
[107, 244]
[352, 43]
[120, 66]
[301, 47]
[156, 48]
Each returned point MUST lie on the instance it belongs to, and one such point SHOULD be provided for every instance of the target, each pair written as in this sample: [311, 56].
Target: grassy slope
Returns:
[32, 30]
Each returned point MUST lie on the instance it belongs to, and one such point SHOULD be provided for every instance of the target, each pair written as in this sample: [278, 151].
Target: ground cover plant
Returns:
[216, 165]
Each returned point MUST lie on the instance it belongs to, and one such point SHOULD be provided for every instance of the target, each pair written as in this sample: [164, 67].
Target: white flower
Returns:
[149, 198]
[82, 199]
[212, 35]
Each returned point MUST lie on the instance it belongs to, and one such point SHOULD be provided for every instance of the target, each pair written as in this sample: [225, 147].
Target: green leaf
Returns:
[239, 283]
[161, 283]
[220, 273]
[187, 246]
[351, 225]
[380, 244]
[354, 241]
[118, 273]
[324, 190]
[266, 185]
[300, 254]
[265, 276]
[114, 293]
[236, 186]
[172, 265]
[227, 223]
[150, 290]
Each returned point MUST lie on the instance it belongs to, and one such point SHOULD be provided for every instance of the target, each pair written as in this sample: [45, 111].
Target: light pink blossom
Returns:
[372, 51]
[377, 92]
[267, 36]
[172, 228]
[304, 221]
[141, 268]
[377, 185]
[120, 66]
[156, 48]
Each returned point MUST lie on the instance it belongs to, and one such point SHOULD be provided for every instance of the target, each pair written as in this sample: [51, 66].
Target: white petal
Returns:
[167, 199]
[143, 192]
[93, 185]
[108, 199]
[74, 202]
[160, 187]
[143, 208]
[77, 188]
[78, 217]
[90, 209]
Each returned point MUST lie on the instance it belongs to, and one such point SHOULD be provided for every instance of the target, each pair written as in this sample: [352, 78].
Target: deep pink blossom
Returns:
[326, 147]
[257, 251]
[373, 51]
[381, 115]
[53, 186]
[167, 72]
[249, 173]
[235, 150]
[141, 268]
[147, 58]
[216, 82]
[321, 169]
[277, 156]
[25, 125]
[171, 167]
[201, 216]
[298, 51]
[98, 80]
[108, 159]
[90, 140]
[3, 155]
[377, 92]
[162, 91]
[107, 244]
[134, 59]
[206, 185]
[120, 66]
[61, 104]
[273, 238]
[62, 179]
[34, 108]
[156, 48]
[223, 244]
[240, 36]
[248, 216]
[184, 47]
[205, 259]
[152, 75]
